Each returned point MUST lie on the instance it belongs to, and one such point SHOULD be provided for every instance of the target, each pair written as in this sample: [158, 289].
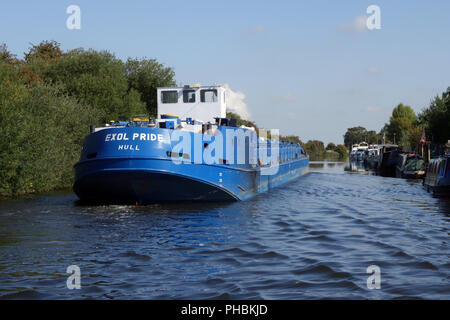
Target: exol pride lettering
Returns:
[136, 136]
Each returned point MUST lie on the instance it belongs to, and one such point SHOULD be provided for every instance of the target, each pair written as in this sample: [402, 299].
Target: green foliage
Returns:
[42, 130]
[49, 100]
[7, 56]
[401, 122]
[332, 152]
[331, 146]
[342, 150]
[96, 79]
[46, 50]
[336, 152]
[292, 138]
[402, 111]
[355, 135]
[359, 134]
[372, 137]
[405, 128]
[242, 122]
[436, 118]
[315, 149]
[145, 76]
[414, 136]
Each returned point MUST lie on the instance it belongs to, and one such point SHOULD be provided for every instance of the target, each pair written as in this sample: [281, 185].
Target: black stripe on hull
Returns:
[145, 187]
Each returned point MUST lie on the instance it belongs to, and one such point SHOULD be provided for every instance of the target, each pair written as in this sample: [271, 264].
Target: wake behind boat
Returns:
[192, 152]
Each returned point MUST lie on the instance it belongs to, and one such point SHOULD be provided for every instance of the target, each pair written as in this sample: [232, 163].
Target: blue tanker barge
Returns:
[192, 152]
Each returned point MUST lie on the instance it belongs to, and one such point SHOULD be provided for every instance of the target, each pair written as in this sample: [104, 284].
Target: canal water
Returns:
[313, 238]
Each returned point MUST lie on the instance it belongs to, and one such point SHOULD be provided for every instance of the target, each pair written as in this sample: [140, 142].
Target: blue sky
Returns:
[305, 67]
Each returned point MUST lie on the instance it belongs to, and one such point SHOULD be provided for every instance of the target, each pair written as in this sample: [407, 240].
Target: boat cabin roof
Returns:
[201, 103]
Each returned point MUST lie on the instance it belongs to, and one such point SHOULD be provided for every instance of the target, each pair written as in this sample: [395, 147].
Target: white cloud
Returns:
[255, 30]
[372, 109]
[289, 97]
[373, 70]
[235, 103]
[358, 25]
[292, 115]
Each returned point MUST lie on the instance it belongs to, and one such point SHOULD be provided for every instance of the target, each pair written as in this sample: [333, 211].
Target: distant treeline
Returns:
[405, 127]
[318, 152]
[49, 98]
[314, 148]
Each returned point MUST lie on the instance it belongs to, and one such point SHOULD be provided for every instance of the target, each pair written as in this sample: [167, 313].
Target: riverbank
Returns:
[328, 155]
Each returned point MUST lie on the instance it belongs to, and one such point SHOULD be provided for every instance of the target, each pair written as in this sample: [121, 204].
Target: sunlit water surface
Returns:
[310, 239]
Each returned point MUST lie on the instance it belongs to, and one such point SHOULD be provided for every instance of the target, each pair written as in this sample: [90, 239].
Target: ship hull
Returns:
[131, 181]
[437, 179]
[438, 191]
[146, 186]
[147, 174]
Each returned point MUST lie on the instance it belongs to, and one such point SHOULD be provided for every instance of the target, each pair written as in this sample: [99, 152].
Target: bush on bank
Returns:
[41, 130]
[49, 99]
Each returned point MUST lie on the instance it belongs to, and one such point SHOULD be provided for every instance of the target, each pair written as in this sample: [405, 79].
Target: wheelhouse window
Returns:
[188, 96]
[169, 96]
[208, 95]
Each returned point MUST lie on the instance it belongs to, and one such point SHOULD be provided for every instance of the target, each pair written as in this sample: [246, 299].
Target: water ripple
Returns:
[310, 239]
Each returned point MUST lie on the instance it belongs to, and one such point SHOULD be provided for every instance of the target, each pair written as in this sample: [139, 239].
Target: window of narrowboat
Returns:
[188, 96]
[208, 95]
[169, 96]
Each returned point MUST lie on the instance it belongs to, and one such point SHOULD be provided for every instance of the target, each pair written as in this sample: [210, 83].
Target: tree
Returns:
[402, 120]
[96, 78]
[47, 103]
[292, 138]
[402, 111]
[7, 56]
[242, 122]
[436, 118]
[355, 135]
[46, 50]
[414, 136]
[342, 150]
[331, 146]
[315, 149]
[359, 134]
[145, 76]
[372, 137]
[42, 130]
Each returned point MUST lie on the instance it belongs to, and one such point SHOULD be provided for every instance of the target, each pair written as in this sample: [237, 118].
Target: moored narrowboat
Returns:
[410, 166]
[437, 178]
[389, 157]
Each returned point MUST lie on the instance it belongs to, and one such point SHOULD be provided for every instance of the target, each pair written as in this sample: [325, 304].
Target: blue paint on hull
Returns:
[146, 173]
